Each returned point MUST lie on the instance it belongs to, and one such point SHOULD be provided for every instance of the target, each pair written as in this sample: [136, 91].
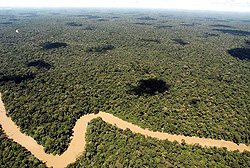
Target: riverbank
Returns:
[78, 141]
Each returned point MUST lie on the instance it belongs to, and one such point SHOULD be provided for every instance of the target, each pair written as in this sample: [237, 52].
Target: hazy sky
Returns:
[223, 5]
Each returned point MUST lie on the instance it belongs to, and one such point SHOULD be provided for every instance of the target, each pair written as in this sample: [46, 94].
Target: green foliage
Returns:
[146, 18]
[180, 41]
[100, 48]
[73, 24]
[108, 146]
[50, 45]
[221, 25]
[46, 102]
[39, 64]
[14, 155]
[151, 40]
[234, 32]
[241, 53]
[17, 78]
[195, 100]
[6, 23]
[150, 86]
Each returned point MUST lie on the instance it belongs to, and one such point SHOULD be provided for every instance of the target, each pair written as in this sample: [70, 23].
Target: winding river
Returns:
[78, 141]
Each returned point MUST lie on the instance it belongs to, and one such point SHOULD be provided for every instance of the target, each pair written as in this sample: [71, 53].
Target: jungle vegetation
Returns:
[14, 155]
[103, 48]
[51, 74]
[146, 18]
[234, 32]
[241, 53]
[50, 45]
[73, 24]
[164, 26]
[151, 40]
[139, 23]
[39, 64]
[6, 23]
[221, 25]
[108, 146]
[180, 41]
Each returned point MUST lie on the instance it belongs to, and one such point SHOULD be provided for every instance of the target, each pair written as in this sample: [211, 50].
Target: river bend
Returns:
[78, 140]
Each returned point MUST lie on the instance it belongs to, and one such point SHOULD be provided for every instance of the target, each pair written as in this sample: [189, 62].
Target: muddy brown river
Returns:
[78, 140]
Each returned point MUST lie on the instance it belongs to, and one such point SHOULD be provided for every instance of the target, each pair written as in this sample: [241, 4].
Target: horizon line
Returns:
[124, 7]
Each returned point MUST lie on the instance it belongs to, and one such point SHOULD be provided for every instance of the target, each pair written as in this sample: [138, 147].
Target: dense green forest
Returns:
[14, 155]
[180, 72]
[108, 146]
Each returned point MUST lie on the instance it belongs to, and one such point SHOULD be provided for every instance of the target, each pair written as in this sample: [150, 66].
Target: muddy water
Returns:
[78, 142]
